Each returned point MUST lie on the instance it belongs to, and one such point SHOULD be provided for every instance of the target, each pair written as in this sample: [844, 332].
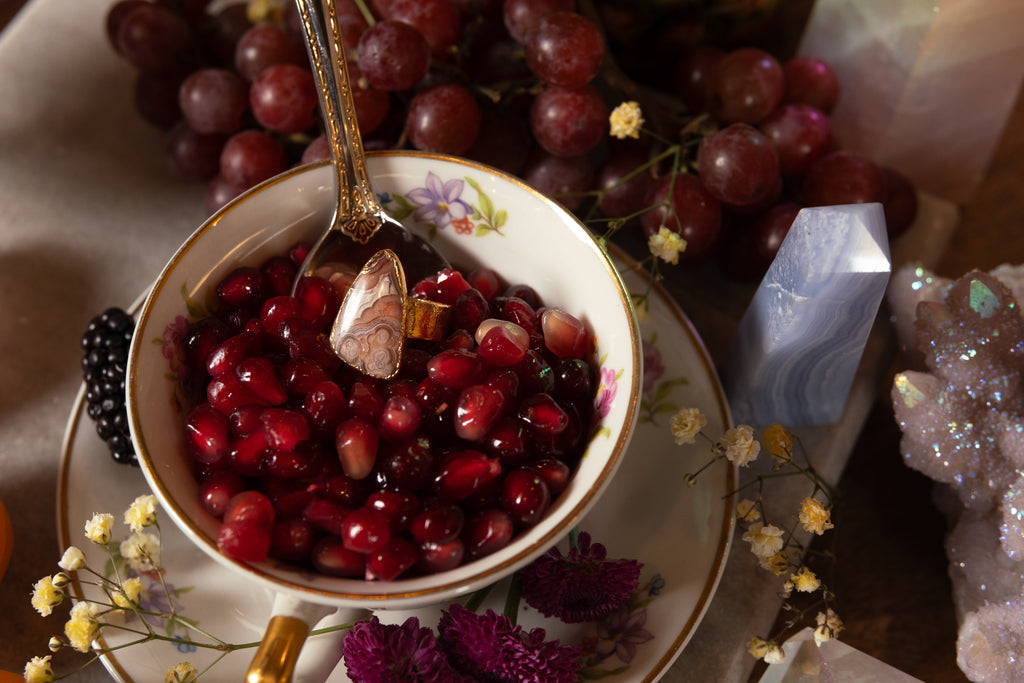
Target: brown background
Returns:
[891, 582]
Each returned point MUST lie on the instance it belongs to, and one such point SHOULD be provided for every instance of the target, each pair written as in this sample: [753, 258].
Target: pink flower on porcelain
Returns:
[654, 369]
[606, 391]
[173, 341]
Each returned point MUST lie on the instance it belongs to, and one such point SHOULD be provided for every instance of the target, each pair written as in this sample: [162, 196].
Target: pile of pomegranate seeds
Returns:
[308, 462]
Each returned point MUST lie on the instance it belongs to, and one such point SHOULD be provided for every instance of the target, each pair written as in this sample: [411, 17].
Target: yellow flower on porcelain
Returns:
[805, 581]
[667, 245]
[747, 512]
[128, 596]
[72, 559]
[141, 513]
[46, 596]
[38, 670]
[183, 672]
[814, 516]
[97, 529]
[778, 441]
[626, 120]
[764, 541]
[82, 628]
[740, 446]
[686, 424]
[141, 551]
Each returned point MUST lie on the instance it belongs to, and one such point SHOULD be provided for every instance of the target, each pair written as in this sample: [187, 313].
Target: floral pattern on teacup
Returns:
[439, 204]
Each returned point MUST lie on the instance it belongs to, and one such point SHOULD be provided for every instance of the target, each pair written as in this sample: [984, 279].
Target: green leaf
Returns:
[487, 207]
[481, 230]
[474, 184]
[403, 207]
[500, 218]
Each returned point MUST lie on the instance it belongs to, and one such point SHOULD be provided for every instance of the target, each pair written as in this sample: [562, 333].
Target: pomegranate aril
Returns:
[486, 532]
[554, 472]
[301, 375]
[318, 301]
[279, 272]
[232, 351]
[291, 540]
[250, 506]
[365, 402]
[203, 337]
[356, 442]
[245, 420]
[206, 433]
[485, 281]
[464, 473]
[400, 419]
[259, 377]
[469, 310]
[325, 406]
[331, 557]
[216, 492]
[343, 489]
[285, 429]
[525, 497]
[535, 374]
[245, 454]
[401, 387]
[406, 466]
[478, 406]
[227, 394]
[507, 441]
[542, 414]
[442, 522]
[289, 497]
[502, 343]
[275, 311]
[242, 287]
[455, 368]
[366, 530]
[518, 311]
[244, 540]
[414, 363]
[573, 380]
[506, 381]
[564, 334]
[391, 561]
[524, 292]
[399, 507]
[326, 515]
[450, 284]
[439, 557]
[293, 464]
[460, 339]
[316, 346]
[293, 326]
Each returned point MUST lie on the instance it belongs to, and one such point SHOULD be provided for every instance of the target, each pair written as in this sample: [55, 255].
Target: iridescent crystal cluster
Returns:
[962, 417]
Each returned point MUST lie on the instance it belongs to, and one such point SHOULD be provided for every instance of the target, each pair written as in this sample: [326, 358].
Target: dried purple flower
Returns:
[389, 653]
[489, 648]
[584, 586]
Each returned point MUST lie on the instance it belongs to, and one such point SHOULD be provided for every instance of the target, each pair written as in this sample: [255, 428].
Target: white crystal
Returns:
[831, 662]
[798, 345]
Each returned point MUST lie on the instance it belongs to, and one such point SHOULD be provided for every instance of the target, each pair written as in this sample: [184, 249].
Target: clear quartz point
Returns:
[799, 343]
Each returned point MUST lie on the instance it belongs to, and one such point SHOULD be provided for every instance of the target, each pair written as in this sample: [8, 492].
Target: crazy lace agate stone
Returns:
[962, 418]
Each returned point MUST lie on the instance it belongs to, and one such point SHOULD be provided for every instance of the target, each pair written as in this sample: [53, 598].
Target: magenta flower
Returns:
[584, 586]
[606, 391]
[438, 202]
[172, 346]
[379, 653]
[487, 647]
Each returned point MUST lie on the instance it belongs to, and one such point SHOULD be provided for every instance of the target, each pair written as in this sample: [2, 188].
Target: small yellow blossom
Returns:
[626, 120]
[740, 446]
[814, 516]
[758, 647]
[805, 580]
[777, 564]
[128, 596]
[38, 670]
[141, 551]
[97, 529]
[829, 626]
[764, 541]
[183, 672]
[141, 513]
[667, 245]
[747, 512]
[82, 627]
[774, 655]
[779, 442]
[686, 424]
[72, 559]
[46, 596]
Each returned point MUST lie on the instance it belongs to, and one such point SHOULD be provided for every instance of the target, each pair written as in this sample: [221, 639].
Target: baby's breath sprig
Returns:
[776, 547]
[125, 606]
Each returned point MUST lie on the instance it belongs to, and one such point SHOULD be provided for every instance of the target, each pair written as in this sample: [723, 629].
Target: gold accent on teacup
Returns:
[274, 661]
[377, 315]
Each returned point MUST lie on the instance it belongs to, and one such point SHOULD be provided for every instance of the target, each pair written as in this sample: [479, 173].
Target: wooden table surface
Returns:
[891, 582]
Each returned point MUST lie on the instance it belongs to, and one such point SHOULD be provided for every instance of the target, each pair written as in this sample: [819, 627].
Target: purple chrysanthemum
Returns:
[584, 586]
[490, 649]
[389, 653]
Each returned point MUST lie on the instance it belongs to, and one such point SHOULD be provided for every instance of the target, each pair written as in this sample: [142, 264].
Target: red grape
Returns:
[152, 38]
[265, 45]
[393, 55]
[811, 81]
[692, 73]
[193, 155]
[566, 179]
[218, 36]
[503, 141]
[899, 202]
[801, 135]
[738, 165]
[746, 86]
[284, 98]
[680, 203]
[843, 177]
[568, 123]
[757, 244]
[156, 98]
[565, 49]
[250, 157]
[443, 118]
[522, 16]
[624, 183]
[214, 100]
[437, 20]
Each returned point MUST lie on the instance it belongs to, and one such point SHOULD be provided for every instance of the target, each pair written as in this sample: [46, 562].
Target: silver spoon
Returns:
[360, 227]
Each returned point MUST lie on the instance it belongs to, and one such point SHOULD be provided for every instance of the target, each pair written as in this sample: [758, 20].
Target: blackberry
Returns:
[104, 364]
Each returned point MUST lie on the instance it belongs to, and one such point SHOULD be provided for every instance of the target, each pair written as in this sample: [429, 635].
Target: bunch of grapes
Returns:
[523, 85]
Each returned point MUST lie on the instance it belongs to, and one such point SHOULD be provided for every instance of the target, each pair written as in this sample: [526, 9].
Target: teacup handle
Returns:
[287, 630]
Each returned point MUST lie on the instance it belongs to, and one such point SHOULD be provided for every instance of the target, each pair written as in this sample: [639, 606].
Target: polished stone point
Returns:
[798, 345]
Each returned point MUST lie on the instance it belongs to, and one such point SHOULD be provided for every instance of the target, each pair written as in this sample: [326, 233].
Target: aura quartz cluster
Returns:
[962, 417]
